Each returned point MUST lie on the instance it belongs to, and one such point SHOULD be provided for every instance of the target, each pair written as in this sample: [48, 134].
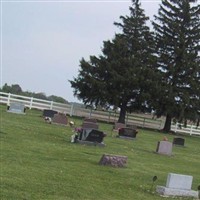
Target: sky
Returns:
[42, 42]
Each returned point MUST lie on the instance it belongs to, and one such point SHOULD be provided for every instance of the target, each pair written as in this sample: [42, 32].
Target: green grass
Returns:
[37, 161]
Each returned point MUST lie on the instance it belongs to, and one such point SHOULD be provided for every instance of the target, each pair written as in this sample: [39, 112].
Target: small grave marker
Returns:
[16, 107]
[179, 141]
[59, 119]
[113, 160]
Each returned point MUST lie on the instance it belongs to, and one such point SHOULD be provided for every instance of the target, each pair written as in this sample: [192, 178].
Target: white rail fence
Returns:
[191, 129]
[145, 121]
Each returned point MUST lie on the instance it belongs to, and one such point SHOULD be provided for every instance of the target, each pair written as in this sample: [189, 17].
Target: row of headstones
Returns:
[177, 185]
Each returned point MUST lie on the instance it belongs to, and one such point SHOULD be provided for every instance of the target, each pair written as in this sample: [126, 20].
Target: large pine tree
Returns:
[122, 76]
[177, 28]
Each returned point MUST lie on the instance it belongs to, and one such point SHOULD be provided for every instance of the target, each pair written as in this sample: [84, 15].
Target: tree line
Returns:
[144, 70]
[16, 89]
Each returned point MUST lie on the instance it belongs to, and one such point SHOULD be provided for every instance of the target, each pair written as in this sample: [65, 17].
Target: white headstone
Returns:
[179, 181]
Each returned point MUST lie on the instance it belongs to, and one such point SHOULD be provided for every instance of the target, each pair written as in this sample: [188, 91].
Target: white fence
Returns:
[180, 128]
[144, 121]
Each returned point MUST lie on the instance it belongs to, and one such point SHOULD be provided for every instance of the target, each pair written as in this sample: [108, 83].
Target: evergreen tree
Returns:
[177, 29]
[122, 76]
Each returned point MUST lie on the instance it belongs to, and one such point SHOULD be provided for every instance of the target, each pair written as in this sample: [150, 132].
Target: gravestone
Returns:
[177, 185]
[118, 125]
[59, 119]
[16, 107]
[90, 125]
[164, 147]
[91, 136]
[92, 120]
[49, 113]
[113, 160]
[179, 141]
[127, 133]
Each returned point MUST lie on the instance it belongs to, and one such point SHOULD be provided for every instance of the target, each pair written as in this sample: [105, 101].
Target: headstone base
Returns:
[91, 143]
[176, 192]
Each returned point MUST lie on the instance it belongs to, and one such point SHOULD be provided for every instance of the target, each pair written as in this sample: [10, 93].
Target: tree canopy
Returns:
[123, 75]
[177, 29]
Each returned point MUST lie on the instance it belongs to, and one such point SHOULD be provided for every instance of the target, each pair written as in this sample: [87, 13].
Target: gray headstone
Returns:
[16, 107]
[179, 181]
[178, 185]
[90, 125]
[60, 119]
[164, 147]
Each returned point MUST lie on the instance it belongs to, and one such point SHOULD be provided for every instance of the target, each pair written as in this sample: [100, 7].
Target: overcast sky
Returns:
[42, 42]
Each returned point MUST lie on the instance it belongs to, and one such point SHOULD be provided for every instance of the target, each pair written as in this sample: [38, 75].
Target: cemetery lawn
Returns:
[38, 162]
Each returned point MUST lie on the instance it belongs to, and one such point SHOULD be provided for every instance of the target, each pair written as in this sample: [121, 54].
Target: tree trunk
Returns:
[122, 114]
[167, 126]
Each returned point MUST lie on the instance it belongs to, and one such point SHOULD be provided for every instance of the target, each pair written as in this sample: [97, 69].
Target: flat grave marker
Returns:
[113, 160]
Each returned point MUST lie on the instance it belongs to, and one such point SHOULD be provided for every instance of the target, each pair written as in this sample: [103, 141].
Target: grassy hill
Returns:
[39, 162]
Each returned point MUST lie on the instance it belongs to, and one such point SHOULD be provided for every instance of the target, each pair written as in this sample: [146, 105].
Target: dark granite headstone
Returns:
[179, 141]
[128, 133]
[49, 113]
[90, 125]
[16, 107]
[60, 119]
[91, 135]
[164, 147]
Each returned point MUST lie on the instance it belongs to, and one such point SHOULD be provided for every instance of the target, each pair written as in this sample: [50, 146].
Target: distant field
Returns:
[38, 162]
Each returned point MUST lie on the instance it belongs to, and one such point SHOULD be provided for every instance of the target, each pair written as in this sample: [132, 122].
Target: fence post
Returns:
[143, 122]
[51, 106]
[31, 103]
[90, 114]
[8, 102]
[191, 129]
[71, 110]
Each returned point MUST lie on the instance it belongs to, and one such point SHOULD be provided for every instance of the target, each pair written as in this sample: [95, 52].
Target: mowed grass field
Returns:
[37, 161]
